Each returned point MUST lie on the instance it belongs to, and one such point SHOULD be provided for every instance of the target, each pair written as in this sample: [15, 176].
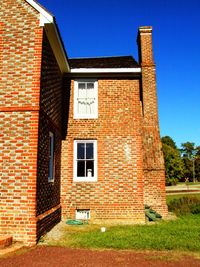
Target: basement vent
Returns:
[82, 214]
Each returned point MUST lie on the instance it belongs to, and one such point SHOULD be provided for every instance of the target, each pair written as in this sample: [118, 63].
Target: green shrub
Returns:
[185, 205]
[195, 209]
[171, 181]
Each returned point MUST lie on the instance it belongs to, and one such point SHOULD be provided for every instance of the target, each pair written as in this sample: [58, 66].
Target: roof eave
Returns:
[47, 21]
[108, 73]
[55, 42]
[45, 16]
[106, 70]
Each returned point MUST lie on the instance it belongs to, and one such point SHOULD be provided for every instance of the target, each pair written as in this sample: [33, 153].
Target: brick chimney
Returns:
[146, 61]
[153, 162]
[145, 45]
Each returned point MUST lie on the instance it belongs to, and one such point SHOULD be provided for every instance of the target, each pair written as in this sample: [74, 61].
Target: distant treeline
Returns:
[182, 164]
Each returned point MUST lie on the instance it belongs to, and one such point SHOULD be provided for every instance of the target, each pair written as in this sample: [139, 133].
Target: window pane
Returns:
[90, 106]
[90, 90]
[82, 93]
[82, 90]
[81, 168]
[81, 85]
[90, 85]
[91, 93]
[51, 157]
[50, 145]
[80, 151]
[82, 106]
[50, 173]
[89, 151]
[90, 168]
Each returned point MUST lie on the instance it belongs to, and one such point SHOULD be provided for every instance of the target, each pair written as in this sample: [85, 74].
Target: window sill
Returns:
[51, 181]
[76, 117]
[85, 179]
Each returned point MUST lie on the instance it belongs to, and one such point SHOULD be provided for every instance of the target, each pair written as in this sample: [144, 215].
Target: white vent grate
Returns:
[82, 214]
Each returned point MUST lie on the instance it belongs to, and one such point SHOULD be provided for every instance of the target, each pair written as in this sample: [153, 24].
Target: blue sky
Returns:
[92, 28]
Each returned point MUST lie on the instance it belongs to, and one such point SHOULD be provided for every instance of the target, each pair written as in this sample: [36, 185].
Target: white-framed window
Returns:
[51, 158]
[86, 99]
[85, 161]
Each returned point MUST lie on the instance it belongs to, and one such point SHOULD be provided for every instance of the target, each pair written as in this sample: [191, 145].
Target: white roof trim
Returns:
[106, 70]
[44, 20]
[45, 17]
[47, 21]
[145, 33]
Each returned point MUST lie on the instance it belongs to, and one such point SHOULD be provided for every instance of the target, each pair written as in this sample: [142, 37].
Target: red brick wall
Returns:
[48, 193]
[20, 52]
[51, 85]
[153, 162]
[118, 193]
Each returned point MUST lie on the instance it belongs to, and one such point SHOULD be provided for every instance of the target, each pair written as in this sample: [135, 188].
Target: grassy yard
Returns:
[181, 235]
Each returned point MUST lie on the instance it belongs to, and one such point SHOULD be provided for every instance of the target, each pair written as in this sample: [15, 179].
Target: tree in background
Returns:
[188, 150]
[191, 159]
[173, 163]
[197, 169]
[197, 164]
[169, 141]
[181, 163]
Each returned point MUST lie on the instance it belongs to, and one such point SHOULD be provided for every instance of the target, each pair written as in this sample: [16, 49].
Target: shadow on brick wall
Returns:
[65, 105]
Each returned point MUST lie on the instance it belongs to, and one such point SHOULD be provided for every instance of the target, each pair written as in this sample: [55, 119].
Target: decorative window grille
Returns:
[86, 99]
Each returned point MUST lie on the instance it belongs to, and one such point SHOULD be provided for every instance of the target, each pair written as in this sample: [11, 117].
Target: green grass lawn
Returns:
[182, 234]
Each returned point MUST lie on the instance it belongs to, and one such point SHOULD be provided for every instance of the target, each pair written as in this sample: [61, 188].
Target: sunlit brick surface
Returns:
[118, 193]
[20, 55]
[153, 163]
[24, 48]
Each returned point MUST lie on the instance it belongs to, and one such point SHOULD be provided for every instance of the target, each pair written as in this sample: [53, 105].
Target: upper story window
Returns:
[86, 99]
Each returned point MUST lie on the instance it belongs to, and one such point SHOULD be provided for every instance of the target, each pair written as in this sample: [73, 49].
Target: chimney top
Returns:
[144, 41]
[145, 29]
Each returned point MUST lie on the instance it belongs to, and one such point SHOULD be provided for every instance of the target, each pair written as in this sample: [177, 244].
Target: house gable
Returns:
[47, 20]
[45, 16]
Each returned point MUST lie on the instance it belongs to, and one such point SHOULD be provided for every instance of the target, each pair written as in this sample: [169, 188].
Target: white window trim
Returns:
[51, 178]
[85, 116]
[85, 179]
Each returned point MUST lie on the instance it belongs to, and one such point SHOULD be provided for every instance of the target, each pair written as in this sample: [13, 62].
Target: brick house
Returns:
[79, 137]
